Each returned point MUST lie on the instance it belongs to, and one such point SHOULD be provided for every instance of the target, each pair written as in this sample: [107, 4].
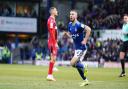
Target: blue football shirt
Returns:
[77, 33]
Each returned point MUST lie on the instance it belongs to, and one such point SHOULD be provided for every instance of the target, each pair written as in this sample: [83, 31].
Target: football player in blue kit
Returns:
[80, 34]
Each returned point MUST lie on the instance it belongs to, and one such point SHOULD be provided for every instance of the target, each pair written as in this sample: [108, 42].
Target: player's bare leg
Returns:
[73, 61]
[122, 55]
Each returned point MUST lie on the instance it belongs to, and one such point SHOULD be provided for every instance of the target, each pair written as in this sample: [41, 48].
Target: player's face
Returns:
[73, 16]
[125, 19]
[55, 12]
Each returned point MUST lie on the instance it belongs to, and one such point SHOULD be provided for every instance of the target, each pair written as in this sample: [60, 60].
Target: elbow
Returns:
[89, 30]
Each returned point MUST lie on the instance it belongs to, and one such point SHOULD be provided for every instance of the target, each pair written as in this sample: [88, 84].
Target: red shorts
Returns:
[52, 48]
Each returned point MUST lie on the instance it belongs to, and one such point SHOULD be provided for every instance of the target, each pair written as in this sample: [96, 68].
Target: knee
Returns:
[122, 55]
[53, 59]
[72, 64]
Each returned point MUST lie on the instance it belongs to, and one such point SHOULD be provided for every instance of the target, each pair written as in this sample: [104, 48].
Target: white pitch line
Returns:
[97, 81]
[8, 84]
[106, 81]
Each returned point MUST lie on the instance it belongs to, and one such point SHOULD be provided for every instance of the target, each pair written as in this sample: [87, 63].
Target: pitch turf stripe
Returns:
[8, 84]
[97, 81]
[106, 81]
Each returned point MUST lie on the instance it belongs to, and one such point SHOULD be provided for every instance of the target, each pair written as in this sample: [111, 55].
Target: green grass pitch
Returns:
[34, 77]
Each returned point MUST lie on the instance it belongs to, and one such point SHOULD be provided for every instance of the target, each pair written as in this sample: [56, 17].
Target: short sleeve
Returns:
[51, 24]
[81, 26]
[127, 27]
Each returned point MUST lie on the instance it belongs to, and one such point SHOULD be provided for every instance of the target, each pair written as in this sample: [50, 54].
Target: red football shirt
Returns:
[52, 31]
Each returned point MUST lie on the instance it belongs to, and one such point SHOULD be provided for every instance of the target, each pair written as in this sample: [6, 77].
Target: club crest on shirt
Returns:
[75, 29]
[82, 25]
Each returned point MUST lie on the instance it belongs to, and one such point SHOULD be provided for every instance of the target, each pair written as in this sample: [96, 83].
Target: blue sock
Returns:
[80, 68]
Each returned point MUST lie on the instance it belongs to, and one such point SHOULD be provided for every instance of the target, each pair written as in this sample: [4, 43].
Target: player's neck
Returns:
[74, 21]
[52, 16]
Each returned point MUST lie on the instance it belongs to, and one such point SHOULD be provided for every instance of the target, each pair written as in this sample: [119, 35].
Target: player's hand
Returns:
[84, 42]
[57, 45]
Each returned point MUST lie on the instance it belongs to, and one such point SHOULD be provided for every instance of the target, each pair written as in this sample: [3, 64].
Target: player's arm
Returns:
[125, 32]
[51, 31]
[88, 32]
[52, 35]
[67, 33]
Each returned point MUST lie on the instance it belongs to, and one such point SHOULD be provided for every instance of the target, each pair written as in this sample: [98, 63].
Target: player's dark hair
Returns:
[74, 10]
[125, 14]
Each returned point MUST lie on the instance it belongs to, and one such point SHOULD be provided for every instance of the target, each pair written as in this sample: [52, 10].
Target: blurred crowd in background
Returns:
[103, 14]
[18, 9]
[100, 10]
[97, 12]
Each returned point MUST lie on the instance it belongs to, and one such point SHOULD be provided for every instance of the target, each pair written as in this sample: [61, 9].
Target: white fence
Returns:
[111, 34]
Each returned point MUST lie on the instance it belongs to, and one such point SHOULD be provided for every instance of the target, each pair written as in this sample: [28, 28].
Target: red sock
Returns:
[51, 64]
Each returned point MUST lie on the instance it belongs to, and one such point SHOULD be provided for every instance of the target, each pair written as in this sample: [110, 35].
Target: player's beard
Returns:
[72, 19]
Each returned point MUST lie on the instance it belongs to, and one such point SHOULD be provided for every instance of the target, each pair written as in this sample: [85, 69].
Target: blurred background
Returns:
[23, 30]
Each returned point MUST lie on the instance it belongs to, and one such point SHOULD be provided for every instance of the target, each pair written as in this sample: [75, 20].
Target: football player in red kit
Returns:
[52, 41]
